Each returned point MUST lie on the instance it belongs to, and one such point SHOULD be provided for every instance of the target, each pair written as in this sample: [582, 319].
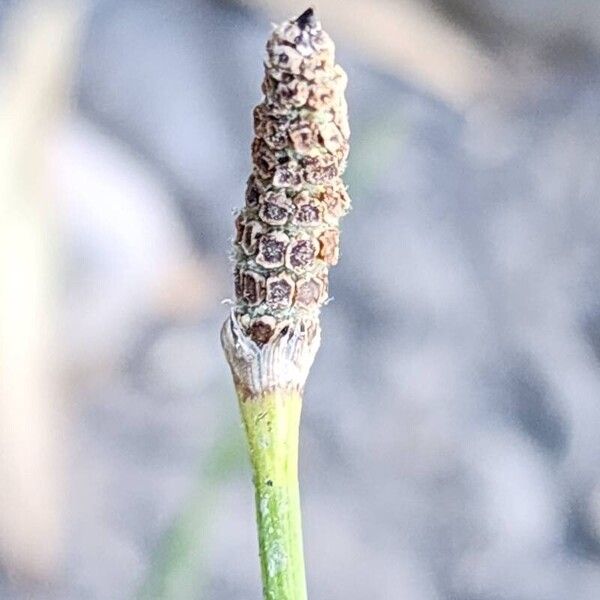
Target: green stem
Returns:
[272, 423]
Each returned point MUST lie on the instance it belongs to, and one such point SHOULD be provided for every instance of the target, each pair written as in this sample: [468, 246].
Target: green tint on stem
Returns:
[272, 423]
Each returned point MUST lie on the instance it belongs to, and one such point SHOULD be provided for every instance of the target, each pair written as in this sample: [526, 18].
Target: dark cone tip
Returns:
[307, 19]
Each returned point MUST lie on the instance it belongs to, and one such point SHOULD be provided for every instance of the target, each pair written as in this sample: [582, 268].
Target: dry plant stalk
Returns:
[41, 42]
[412, 40]
[286, 239]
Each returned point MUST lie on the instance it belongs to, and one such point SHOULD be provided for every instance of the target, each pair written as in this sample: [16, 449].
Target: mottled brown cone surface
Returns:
[287, 234]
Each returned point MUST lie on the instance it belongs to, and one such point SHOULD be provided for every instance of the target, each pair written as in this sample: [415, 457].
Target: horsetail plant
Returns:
[286, 239]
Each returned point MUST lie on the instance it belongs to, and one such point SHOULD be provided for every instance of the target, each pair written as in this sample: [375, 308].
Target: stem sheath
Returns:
[272, 422]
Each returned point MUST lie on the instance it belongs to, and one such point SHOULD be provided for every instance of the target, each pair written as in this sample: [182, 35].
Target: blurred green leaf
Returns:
[375, 148]
[178, 570]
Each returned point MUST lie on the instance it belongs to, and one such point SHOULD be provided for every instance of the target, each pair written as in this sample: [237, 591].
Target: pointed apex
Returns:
[307, 19]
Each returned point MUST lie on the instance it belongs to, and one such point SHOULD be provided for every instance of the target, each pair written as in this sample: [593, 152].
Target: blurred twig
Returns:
[33, 89]
[405, 38]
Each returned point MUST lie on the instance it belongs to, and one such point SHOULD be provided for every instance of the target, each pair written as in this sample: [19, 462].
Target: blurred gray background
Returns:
[450, 445]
